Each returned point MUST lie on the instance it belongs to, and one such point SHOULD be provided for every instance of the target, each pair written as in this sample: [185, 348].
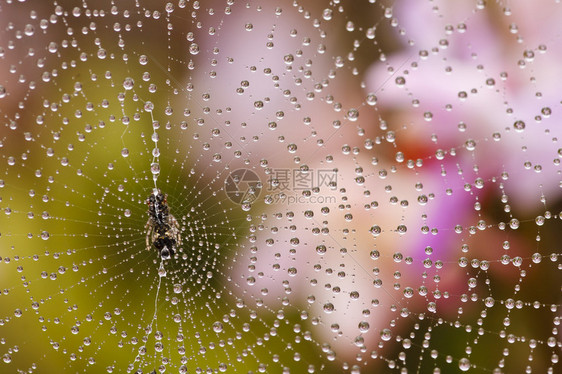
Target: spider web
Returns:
[404, 156]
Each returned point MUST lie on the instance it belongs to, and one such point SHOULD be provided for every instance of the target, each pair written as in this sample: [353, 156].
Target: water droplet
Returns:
[363, 326]
[128, 83]
[148, 106]
[519, 126]
[194, 48]
[375, 230]
[464, 364]
[162, 272]
[514, 223]
[288, 59]
[386, 335]
[352, 114]
[371, 99]
[401, 229]
[217, 327]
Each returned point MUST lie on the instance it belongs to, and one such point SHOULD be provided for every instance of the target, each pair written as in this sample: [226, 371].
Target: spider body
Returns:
[162, 228]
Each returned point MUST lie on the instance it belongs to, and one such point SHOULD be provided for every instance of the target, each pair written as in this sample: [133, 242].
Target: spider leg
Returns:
[149, 234]
[175, 229]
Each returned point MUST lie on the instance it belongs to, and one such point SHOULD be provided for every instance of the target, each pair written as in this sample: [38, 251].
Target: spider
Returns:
[162, 229]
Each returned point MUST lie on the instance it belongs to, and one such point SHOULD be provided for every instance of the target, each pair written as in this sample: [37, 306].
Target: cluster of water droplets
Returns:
[357, 186]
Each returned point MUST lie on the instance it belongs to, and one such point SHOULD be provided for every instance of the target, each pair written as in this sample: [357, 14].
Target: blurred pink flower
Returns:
[479, 90]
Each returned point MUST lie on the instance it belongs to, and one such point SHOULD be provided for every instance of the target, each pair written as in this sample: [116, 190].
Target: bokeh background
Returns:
[434, 250]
